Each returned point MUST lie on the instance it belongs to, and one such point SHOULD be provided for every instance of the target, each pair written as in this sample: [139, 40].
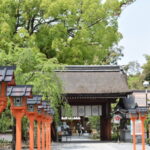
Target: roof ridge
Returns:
[103, 68]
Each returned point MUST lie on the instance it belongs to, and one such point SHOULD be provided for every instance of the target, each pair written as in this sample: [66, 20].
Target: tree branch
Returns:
[17, 18]
[96, 22]
[40, 22]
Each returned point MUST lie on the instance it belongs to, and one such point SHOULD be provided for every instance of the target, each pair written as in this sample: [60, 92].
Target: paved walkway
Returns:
[83, 138]
[86, 143]
[96, 146]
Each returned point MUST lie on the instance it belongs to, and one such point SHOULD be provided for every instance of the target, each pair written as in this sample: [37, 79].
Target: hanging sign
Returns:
[117, 118]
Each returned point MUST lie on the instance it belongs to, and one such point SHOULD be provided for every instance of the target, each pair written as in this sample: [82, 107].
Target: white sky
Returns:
[134, 24]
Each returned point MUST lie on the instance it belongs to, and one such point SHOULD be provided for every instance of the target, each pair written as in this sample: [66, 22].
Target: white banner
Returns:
[81, 111]
[95, 110]
[74, 111]
[88, 110]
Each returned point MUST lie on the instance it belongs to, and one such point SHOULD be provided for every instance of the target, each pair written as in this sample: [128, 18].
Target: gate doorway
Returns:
[92, 86]
[84, 124]
[83, 129]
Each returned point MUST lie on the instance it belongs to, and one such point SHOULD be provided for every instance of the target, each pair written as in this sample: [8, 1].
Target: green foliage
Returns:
[135, 82]
[35, 69]
[135, 77]
[25, 128]
[5, 120]
[133, 71]
[132, 68]
[73, 31]
[95, 122]
[38, 35]
[146, 68]
[67, 110]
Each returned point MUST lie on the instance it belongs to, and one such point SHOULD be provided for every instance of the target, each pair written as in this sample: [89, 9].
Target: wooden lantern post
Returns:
[32, 112]
[49, 113]
[50, 120]
[47, 130]
[142, 116]
[133, 117]
[44, 120]
[43, 133]
[47, 124]
[18, 96]
[43, 125]
[6, 78]
[39, 121]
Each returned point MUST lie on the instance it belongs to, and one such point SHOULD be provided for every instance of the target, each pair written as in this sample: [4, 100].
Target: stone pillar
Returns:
[106, 122]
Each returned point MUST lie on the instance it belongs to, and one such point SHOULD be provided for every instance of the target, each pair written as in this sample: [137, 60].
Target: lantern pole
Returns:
[31, 118]
[133, 116]
[39, 133]
[47, 134]
[142, 115]
[142, 118]
[50, 124]
[134, 135]
[18, 115]
[43, 133]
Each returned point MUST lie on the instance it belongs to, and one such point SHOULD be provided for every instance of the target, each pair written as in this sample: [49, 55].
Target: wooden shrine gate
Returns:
[94, 88]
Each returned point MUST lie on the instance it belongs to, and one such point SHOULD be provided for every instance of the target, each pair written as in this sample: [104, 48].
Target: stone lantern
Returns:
[18, 96]
[32, 112]
[6, 78]
[32, 104]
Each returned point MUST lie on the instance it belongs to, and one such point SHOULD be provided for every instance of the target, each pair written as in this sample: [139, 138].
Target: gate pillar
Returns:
[106, 122]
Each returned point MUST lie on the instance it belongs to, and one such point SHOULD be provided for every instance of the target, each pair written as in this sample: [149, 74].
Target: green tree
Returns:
[5, 120]
[132, 68]
[133, 71]
[73, 31]
[146, 68]
[38, 35]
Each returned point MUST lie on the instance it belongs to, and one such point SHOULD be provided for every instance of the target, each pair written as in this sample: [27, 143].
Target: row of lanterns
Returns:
[24, 103]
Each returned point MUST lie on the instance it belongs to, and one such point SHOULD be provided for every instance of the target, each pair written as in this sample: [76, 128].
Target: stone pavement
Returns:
[86, 143]
[96, 146]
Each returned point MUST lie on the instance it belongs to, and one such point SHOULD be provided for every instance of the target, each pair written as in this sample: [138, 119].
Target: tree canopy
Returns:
[73, 31]
[39, 35]
[146, 68]
[137, 74]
